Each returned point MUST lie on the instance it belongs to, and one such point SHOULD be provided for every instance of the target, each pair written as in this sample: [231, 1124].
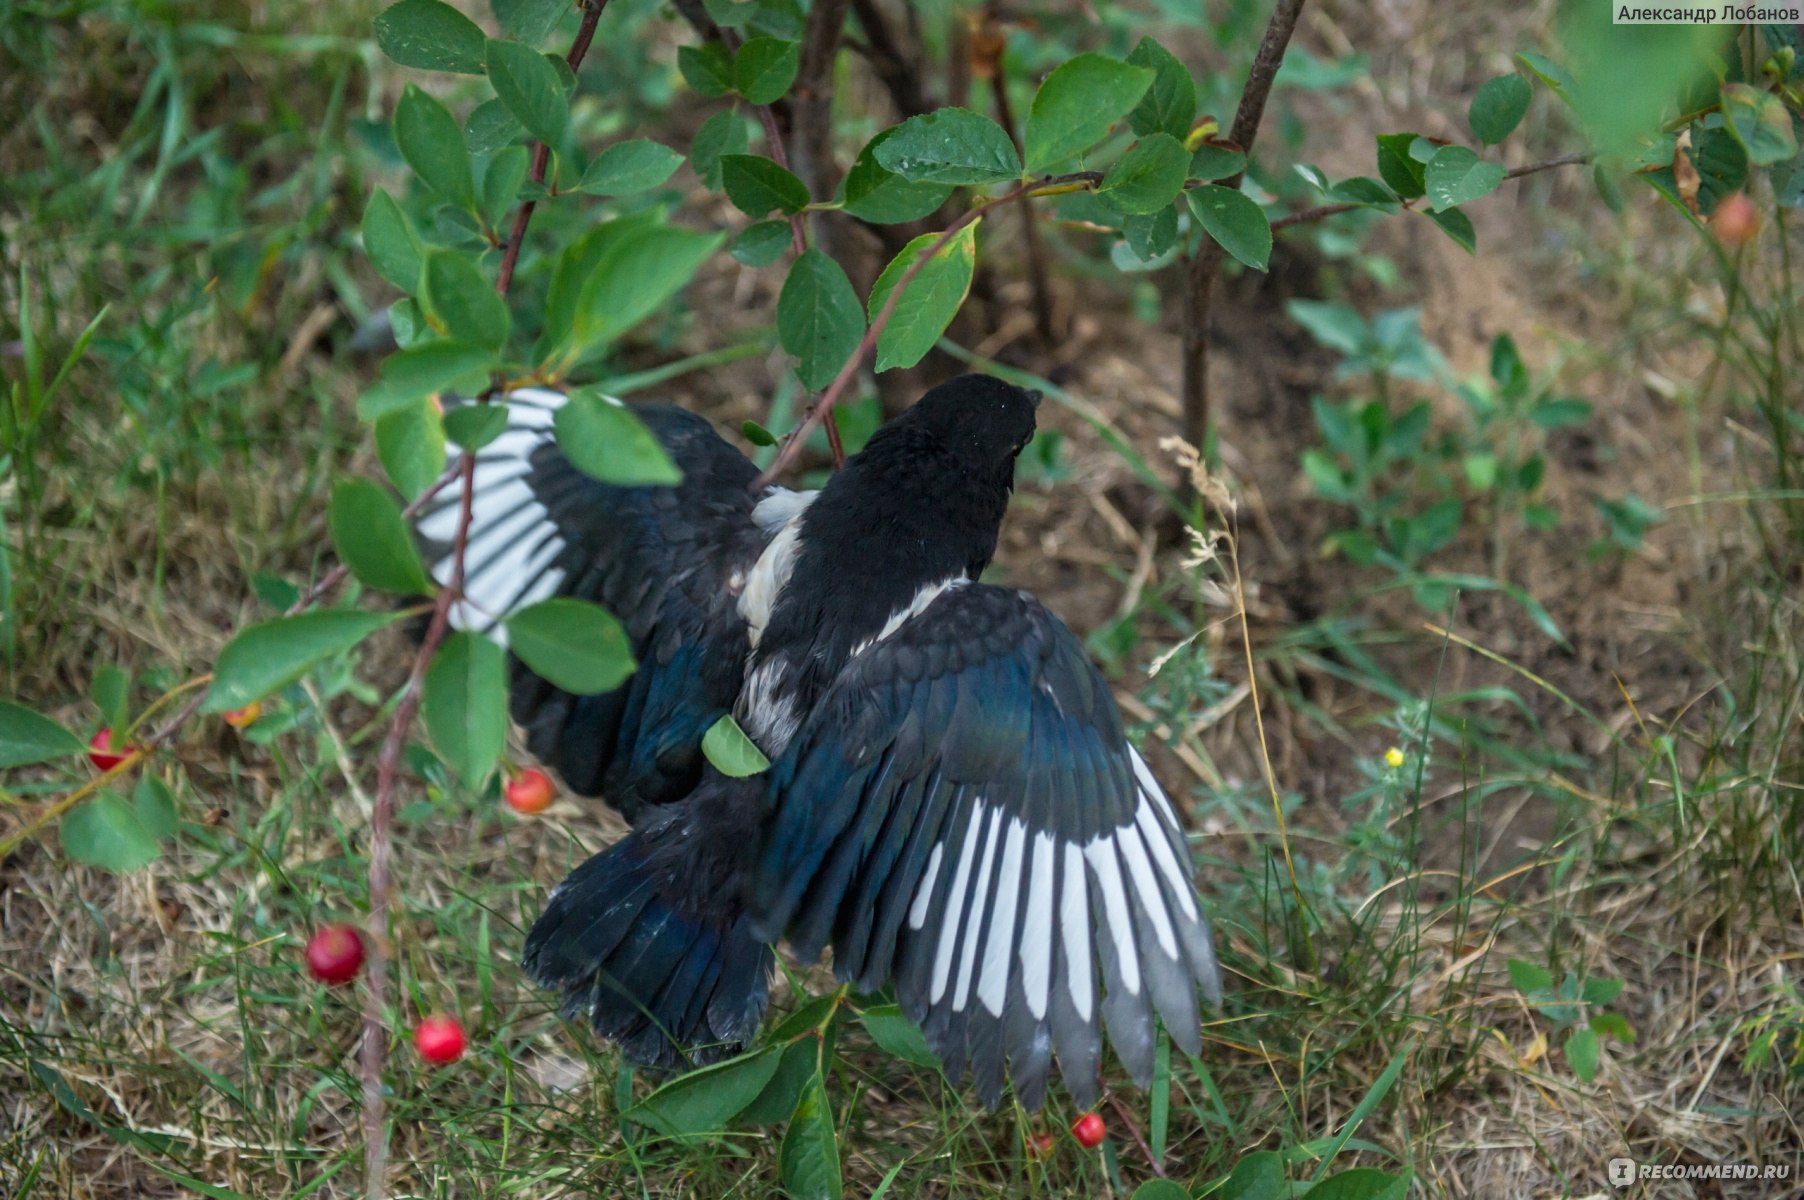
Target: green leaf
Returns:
[708, 68]
[465, 304]
[1457, 176]
[809, 1158]
[1169, 105]
[778, 1099]
[948, 145]
[1600, 991]
[762, 244]
[576, 645]
[1609, 1024]
[635, 277]
[1216, 162]
[720, 135]
[414, 373]
[502, 181]
[1551, 73]
[430, 36]
[465, 705]
[411, 444]
[1149, 176]
[876, 194]
[756, 185]
[898, 1035]
[1077, 104]
[1161, 1189]
[603, 438]
[28, 737]
[1498, 107]
[628, 167]
[428, 137]
[819, 319]
[105, 832]
[1456, 225]
[1758, 121]
[1363, 189]
[529, 21]
[764, 68]
[1582, 1053]
[1403, 174]
[757, 434]
[929, 302]
[270, 655]
[390, 242]
[372, 538]
[109, 690]
[490, 126]
[1257, 1176]
[528, 87]
[1231, 218]
[731, 751]
[1528, 978]
[154, 805]
[1151, 236]
[704, 1101]
[473, 426]
[1360, 1183]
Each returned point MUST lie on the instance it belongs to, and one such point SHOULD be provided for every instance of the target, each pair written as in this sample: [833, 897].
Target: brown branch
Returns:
[388, 763]
[811, 96]
[1322, 212]
[1200, 284]
[1128, 1123]
[1030, 231]
[817, 412]
[897, 70]
[382, 812]
[773, 137]
[541, 154]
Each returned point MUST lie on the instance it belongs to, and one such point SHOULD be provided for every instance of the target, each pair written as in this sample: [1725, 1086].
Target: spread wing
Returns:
[962, 815]
[660, 558]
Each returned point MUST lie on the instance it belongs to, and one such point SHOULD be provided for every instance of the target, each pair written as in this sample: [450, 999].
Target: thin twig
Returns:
[1200, 284]
[381, 850]
[541, 154]
[1030, 231]
[388, 763]
[1128, 1123]
[897, 69]
[1321, 212]
[817, 412]
[773, 138]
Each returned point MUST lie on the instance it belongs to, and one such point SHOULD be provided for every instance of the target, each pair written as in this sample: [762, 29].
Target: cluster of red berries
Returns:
[1087, 1130]
[335, 956]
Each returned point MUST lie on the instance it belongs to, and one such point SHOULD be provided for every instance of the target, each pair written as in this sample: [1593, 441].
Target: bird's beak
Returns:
[1033, 398]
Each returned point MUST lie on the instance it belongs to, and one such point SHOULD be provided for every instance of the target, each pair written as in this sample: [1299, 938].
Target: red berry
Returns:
[335, 954]
[101, 752]
[1039, 1145]
[530, 791]
[238, 718]
[1736, 220]
[439, 1039]
[1088, 1130]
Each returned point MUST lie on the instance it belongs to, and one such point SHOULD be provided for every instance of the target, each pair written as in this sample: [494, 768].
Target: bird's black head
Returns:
[981, 421]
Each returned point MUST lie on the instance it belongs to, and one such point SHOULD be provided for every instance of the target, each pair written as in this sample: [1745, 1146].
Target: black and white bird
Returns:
[951, 805]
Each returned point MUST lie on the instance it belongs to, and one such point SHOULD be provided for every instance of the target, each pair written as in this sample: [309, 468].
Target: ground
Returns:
[1620, 802]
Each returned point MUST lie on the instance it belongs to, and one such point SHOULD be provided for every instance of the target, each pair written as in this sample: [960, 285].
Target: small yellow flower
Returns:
[1393, 758]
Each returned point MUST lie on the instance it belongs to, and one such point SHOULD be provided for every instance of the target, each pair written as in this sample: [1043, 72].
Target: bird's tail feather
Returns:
[649, 941]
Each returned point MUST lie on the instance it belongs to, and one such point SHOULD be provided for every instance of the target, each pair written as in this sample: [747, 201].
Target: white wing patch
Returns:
[1127, 880]
[511, 541]
[914, 608]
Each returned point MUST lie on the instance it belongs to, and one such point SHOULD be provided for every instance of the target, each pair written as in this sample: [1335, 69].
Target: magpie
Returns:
[951, 806]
